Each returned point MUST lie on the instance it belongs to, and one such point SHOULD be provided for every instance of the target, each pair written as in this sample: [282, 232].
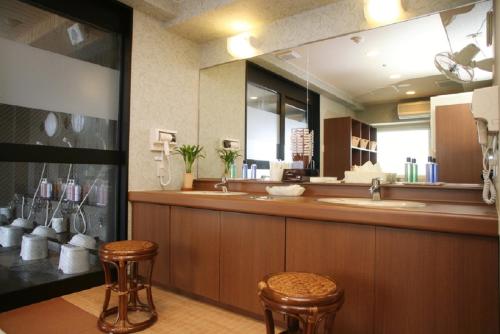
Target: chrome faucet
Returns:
[375, 189]
[223, 185]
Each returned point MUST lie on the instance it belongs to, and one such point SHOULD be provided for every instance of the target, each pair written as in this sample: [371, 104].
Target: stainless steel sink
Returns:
[211, 193]
[367, 202]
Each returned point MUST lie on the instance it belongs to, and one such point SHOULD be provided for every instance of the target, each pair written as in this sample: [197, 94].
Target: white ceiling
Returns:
[406, 48]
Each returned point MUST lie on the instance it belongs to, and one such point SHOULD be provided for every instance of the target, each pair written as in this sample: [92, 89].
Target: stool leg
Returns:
[268, 315]
[108, 283]
[329, 321]
[148, 288]
[292, 325]
[133, 284]
[309, 327]
[123, 294]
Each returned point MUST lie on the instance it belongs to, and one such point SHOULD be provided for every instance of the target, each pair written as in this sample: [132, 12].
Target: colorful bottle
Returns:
[408, 170]
[414, 170]
[244, 171]
[429, 170]
[435, 172]
[253, 171]
[232, 171]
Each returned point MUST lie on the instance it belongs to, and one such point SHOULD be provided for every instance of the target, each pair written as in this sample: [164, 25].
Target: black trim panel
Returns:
[53, 154]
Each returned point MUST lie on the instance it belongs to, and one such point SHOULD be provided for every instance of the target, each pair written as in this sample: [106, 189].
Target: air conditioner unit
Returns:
[414, 110]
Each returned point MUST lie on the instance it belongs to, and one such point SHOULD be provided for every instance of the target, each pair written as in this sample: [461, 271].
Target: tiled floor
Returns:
[178, 314]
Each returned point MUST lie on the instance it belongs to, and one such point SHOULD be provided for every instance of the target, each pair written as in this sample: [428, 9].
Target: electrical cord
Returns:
[489, 189]
[162, 183]
[36, 193]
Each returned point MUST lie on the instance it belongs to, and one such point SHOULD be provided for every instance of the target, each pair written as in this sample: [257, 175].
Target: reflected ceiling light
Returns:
[395, 76]
[372, 53]
[383, 11]
[239, 26]
[253, 97]
[241, 46]
[410, 92]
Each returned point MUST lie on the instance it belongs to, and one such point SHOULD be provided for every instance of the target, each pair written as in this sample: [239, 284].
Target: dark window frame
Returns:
[287, 91]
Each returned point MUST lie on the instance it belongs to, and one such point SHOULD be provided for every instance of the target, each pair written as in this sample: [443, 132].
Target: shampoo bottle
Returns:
[408, 170]
[414, 170]
[233, 171]
[435, 172]
[429, 170]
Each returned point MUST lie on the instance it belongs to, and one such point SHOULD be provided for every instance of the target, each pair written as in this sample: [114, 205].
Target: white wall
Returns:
[164, 94]
[330, 109]
[34, 78]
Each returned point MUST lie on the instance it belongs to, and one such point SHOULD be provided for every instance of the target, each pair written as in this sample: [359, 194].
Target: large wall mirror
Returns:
[381, 95]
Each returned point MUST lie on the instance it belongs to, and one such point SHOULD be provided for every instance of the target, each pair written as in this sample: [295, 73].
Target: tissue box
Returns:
[367, 177]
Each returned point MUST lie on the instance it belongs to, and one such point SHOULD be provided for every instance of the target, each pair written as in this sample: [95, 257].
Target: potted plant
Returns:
[228, 157]
[189, 154]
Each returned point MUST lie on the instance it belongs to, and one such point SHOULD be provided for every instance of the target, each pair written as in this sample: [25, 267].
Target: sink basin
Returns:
[212, 193]
[376, 204]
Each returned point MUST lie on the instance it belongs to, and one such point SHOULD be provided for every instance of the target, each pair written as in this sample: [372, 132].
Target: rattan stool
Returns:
[304, 298]
[125, 257]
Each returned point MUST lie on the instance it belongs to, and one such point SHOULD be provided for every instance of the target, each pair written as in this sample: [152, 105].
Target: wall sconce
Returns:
[383, 11]
[241, 46]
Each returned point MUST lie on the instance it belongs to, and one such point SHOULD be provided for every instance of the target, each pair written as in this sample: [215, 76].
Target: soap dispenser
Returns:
[429, 170]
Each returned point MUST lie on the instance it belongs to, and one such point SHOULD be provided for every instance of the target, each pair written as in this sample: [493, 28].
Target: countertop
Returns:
[471, 219]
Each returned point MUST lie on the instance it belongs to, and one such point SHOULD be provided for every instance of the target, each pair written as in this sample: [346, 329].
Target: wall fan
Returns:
[459, 66]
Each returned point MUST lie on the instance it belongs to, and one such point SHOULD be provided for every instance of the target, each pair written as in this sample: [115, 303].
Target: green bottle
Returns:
[408, 170]
[414, 170]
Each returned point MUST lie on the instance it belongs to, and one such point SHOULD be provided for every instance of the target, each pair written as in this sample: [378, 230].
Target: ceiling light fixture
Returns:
[372, 53]
[239, 26]
[241, 46]
[410, 92]
[395, 76]
[253, 97]
[383, 11]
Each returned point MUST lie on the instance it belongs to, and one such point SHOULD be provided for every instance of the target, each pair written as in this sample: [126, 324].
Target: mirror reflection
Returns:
[373, 99]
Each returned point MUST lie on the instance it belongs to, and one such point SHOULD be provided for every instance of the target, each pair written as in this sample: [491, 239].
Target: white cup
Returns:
[58, 225]
[11, 235]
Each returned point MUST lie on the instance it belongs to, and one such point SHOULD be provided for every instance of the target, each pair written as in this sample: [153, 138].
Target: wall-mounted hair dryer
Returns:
[486, 113]
[163, 141]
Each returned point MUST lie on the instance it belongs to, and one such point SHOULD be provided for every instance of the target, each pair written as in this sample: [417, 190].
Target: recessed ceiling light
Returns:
[395, 76]
[253, 97]
[410, 92]
[372, 53]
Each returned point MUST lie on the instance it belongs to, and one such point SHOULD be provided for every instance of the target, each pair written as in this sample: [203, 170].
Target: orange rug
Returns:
[54, 316]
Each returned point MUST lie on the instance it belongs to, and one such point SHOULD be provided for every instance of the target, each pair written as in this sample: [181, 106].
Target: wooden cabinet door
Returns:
[435, 283]
[346, 252]
[251, 247]
[195, 251]
[152, 222]
[457, 148]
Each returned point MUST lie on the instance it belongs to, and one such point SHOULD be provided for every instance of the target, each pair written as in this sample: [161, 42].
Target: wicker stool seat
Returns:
[125, 257]
[304, 298]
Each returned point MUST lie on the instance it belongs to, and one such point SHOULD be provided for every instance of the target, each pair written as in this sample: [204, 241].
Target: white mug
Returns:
[58, 224]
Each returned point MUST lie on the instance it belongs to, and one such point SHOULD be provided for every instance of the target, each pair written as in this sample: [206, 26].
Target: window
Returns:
[397, 142]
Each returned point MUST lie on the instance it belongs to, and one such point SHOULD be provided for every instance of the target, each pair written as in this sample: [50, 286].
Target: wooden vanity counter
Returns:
[474, 219]
[431, 270]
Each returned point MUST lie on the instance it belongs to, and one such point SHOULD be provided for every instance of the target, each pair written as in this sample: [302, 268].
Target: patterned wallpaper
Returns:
[164, 94]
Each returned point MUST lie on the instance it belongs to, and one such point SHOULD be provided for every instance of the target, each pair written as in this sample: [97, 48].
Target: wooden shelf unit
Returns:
[339, 155]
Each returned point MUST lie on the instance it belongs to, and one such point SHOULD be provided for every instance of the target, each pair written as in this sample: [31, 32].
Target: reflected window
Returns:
[397, 142]
[295, 118]
[263, 123]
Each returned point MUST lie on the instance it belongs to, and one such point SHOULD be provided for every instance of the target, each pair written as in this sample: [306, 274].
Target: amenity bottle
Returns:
[414, 170]
[408, 170]
[429, 170]
[435, 172]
